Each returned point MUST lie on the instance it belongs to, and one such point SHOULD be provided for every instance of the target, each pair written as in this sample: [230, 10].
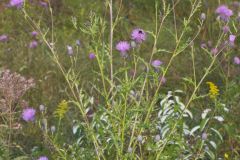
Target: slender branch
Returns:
[111, 44]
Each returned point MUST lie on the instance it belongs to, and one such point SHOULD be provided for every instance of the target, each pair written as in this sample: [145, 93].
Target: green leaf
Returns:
[75, 128]
[21, 158]
[218, 133]
[203, 124]
[213, 144]
[211, 154]
[194, 130]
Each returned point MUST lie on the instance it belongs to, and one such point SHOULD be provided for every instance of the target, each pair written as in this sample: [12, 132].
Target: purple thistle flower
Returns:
[214, 51]
[224, 12]
[156, 63]
[123, 47]
[43, 158]
[203, 45]
[138, 35]
[232, 38]
[33, 44]
[69, 50]
[34, 33]
[236, 60]
[162, 80]
[28, 114]
[91, 56]
[16, 3]
[43, 4]
[226, 29]
[3, 38]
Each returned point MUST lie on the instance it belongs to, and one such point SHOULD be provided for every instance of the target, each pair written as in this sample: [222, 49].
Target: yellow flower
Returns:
[62, 108]
[226, 156]
[213, 90]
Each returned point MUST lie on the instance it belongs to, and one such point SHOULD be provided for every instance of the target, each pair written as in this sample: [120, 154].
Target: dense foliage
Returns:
[119, 79]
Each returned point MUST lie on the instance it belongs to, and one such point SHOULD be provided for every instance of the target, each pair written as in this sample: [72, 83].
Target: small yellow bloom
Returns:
[61, 110]
[213, 90]
[226, 156]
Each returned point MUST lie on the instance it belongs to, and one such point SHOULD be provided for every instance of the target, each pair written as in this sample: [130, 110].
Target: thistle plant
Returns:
[157, 88]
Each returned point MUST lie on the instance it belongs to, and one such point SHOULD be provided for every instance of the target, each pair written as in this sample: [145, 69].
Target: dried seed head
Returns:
[13, 86]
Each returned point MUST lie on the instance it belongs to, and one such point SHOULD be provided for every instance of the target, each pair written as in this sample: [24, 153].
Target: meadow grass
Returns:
[119, 80]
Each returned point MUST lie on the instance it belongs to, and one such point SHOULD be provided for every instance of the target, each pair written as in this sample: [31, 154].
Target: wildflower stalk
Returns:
[101, 68]
[76, 98]
[175, 53]
[202, 142]
[54, 55]
[193, 65]
[111, 43]
[189, 101]
[10, 126]
[156, 36]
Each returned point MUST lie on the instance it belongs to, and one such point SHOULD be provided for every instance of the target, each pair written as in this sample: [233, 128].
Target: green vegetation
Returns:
[119, 79]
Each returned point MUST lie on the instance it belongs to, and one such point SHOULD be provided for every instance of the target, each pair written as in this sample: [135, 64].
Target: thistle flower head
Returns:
[53, 129]
[16, 3]
[91, 56]
[41, 107]
[139, 138]
[162, 80]
[204, 136]
[34, 33]
[43, 4]
[232, 38]
[3, 38]
[224, 12]
[133, 44]
[157, 138]
[156, 63]
[78, 42]
[226, 29]
[138, 35]
[236, 60]
[43, 158]
[123, 47]
[203, 16]
[214, 51]
[28, 114]
[69, 50]
[203, 45]
[33, 44]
